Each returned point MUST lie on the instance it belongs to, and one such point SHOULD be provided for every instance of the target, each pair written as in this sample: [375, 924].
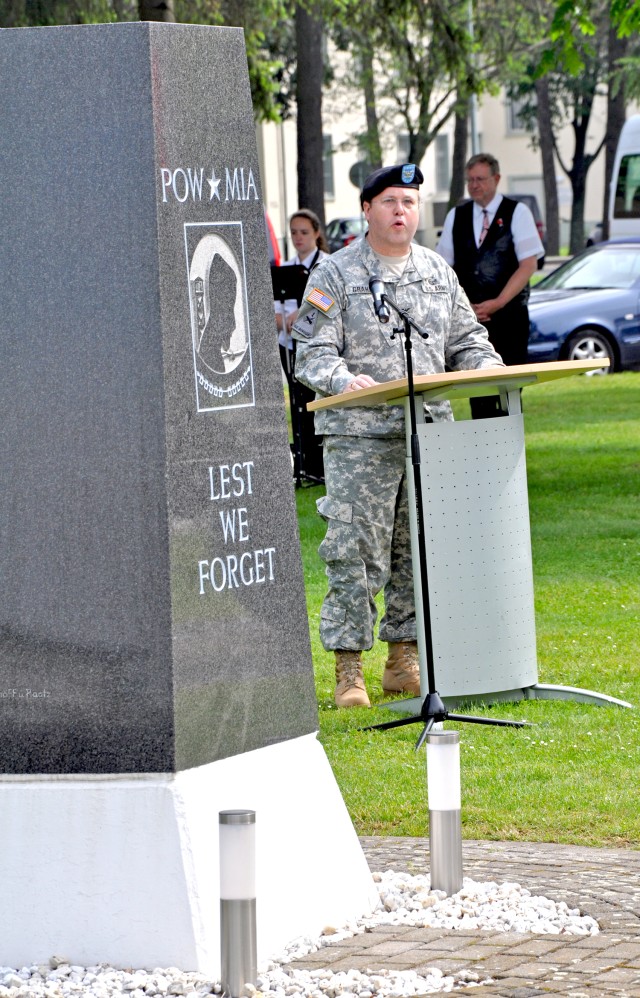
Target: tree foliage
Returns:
[583, 58]
[426, 58]
[406, 58]
[575, 19]
[37, 13]
[569, 101]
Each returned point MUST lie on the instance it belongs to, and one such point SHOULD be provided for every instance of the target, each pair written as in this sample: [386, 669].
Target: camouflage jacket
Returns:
[338, 335]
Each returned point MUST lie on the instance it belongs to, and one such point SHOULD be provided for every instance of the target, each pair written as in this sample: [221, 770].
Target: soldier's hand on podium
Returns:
[360, 381]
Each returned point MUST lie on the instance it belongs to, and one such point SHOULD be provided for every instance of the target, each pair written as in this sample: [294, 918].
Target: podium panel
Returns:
[478, 546]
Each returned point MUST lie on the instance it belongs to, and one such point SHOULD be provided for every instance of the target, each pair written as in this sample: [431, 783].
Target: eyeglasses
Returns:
[407, 204]
[479, 180]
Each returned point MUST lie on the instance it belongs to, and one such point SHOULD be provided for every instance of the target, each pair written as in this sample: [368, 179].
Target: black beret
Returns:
[401, 175]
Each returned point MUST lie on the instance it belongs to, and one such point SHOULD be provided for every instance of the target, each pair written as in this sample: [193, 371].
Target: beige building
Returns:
[498, 131]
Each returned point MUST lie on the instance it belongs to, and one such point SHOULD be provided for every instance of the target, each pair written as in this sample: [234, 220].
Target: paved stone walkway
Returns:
[603, 883]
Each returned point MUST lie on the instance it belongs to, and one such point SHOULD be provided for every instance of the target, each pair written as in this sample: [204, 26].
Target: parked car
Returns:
[342, 231]
[595, 235]
[589, 308]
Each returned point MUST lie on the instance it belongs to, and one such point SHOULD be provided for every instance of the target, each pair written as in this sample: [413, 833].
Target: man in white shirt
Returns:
[493, 245]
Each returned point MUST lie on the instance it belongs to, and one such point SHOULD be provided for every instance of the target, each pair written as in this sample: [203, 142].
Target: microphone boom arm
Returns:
[406, 318]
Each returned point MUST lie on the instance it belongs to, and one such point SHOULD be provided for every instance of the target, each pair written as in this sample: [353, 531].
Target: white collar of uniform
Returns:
[490, 208]
[307, 260]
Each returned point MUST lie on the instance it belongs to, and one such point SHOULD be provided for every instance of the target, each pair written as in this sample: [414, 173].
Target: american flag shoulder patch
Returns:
[320, 298]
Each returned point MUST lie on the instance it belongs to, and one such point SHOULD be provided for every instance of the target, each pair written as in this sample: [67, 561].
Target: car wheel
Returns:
[591, 345]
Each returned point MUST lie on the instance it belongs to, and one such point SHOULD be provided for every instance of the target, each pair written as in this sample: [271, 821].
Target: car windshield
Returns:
[604, 267]
[352, 226]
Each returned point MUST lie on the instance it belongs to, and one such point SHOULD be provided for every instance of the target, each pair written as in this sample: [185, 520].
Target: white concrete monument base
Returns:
[125, 869]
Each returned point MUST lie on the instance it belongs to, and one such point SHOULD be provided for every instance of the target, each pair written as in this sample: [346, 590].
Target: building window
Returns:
[443, 163]
[327, 166]
[402, 145]
[515, 120]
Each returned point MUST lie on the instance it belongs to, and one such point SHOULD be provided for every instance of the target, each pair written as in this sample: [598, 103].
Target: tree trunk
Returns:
[156, 10]
[616, 110]
[545, 131]
[373, 150]
[576, 237]
[578, 177]
[460, 140]
[309, 77]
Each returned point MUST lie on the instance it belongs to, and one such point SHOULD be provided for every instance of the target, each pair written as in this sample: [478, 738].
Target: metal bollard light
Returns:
[445, 824]
[238, 944]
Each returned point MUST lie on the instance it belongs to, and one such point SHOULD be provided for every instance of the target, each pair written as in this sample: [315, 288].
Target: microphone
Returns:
[376, 287]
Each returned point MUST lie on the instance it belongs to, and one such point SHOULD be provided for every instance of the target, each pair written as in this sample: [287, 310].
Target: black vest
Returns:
[484, 271]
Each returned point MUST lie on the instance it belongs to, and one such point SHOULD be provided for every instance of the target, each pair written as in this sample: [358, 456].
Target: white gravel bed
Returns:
[404, 900]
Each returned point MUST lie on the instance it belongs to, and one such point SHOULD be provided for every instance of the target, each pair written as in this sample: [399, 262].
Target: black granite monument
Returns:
[152, 615]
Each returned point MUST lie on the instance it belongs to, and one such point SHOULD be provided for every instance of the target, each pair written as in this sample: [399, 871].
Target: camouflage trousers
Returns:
[367, 546]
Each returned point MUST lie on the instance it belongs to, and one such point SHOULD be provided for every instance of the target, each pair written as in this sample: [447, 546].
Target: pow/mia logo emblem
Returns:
[219, 315]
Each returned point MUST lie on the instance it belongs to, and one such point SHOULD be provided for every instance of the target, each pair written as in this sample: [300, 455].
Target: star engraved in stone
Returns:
[214, 183]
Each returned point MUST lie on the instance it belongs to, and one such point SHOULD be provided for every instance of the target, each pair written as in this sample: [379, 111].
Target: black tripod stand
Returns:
[433, 709]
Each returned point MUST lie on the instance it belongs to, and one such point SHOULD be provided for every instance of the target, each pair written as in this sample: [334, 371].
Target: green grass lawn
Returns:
[575, 776]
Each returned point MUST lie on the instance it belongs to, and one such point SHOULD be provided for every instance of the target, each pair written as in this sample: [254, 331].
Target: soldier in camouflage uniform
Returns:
[341, 346]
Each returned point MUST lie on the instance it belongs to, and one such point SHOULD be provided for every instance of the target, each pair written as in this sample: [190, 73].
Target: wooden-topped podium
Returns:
[477, 536]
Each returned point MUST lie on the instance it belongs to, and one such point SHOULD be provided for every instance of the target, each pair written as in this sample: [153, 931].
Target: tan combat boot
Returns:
[402, 669]
[350, 688]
